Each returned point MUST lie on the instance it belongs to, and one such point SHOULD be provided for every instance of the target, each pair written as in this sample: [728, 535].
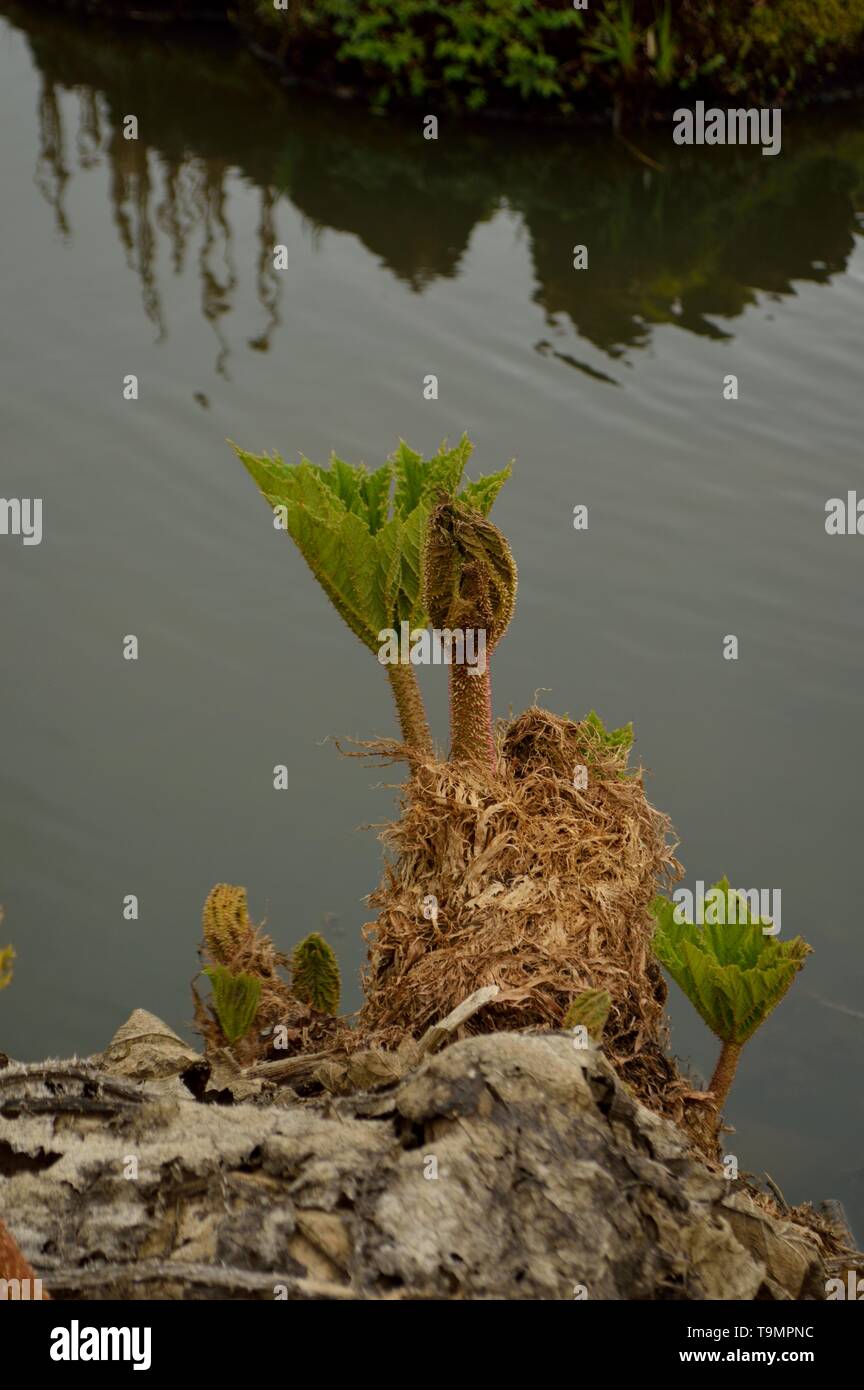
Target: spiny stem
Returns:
[471, 716]
[724, 1072]
[409, 705]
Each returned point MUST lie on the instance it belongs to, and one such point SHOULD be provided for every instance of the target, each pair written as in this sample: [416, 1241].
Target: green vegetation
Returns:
[518, 55]
[609, 740]
[361, 534]
[235, 1000]
[542, 57]
[732, 973]
[590, 1009]
[7, 955]
[315, 974]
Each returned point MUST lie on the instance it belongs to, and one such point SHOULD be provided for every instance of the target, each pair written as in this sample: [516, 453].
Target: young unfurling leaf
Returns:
[235, 1000]
[315, 974]
[732, 972]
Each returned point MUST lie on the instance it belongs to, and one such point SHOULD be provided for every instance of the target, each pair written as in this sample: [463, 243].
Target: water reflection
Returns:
[673, 238]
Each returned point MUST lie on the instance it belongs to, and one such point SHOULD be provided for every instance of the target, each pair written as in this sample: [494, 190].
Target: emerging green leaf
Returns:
[235, 1000]
[591, 1009]
[732, 972]
[364, 546]
[315, 974]
[610, 738]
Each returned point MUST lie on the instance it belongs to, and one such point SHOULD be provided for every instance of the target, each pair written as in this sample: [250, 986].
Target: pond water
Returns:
[408, 257]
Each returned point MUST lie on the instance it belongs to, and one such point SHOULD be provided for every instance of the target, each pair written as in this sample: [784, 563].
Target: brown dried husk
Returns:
[542, 889]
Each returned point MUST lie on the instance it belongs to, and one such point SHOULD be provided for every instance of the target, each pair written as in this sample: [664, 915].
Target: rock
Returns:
[506, 1166]
[789, 1253]
[145, 1049]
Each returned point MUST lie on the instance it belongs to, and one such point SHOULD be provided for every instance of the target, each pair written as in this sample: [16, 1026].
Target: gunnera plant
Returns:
[362, 534]
[543, 880]
[732, 970]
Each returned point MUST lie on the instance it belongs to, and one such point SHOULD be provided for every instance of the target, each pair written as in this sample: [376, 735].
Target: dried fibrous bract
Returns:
[542, 888]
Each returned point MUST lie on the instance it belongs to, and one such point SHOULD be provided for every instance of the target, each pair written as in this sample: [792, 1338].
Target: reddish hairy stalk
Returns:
[471, 716]
[469, 587]
[724, 1072]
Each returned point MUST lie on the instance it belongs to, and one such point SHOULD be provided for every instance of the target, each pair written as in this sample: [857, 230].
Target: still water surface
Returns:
[407, 257]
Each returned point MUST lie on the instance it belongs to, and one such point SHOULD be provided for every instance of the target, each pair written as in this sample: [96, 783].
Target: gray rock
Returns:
[507, 1166]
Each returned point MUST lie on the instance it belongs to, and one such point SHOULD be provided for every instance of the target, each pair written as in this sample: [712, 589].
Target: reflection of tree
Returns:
[413, 208]
[267, 280]
[89, 128]
[130, 185]
[699, 245]
[175, 215]
[687, 239]
[51, 172]
[215, 293]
